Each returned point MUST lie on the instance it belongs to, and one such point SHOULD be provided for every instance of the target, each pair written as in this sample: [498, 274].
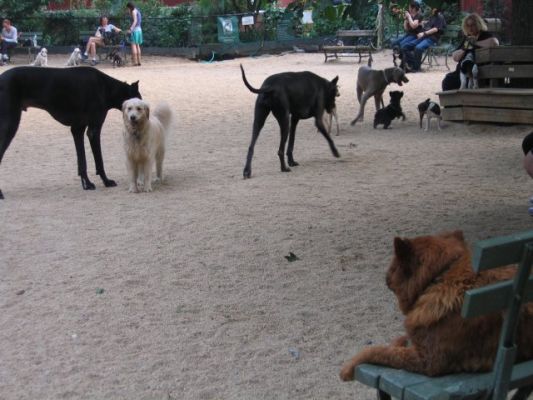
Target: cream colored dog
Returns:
[144, 141]
[42, 59]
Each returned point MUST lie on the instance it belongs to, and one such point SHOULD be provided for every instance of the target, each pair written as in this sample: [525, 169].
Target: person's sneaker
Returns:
[84, 56]
[530, 211]
[531, 201]
[94, 62]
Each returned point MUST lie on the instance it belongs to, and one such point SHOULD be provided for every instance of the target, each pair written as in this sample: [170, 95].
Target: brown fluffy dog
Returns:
[429, 275]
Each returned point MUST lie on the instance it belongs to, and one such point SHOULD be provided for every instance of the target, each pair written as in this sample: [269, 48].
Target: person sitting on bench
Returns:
[105, 29]
[9, 40]
[433, 29]
[411, 24]
[476, 36]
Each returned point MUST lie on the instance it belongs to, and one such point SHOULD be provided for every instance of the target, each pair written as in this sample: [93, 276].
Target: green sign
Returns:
[228, 29]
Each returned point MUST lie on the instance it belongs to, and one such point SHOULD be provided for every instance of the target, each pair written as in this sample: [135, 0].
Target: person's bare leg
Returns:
[139, 54]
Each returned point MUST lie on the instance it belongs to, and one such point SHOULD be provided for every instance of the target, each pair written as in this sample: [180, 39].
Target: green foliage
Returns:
[17, 9]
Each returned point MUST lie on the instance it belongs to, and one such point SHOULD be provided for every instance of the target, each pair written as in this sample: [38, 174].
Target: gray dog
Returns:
[372, 82]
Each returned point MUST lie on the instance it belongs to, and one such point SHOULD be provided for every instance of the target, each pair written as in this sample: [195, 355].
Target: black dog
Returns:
[291, 96]
[76, 97]
[384, 116]
[115, 58]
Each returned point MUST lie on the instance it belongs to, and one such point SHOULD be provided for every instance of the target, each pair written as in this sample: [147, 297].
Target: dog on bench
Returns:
[469, 71]
[372, 83]
[76, 97]
[291, 96]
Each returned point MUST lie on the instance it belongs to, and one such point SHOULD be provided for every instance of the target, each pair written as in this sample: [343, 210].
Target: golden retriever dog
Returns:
[144, 141]
[429, 276]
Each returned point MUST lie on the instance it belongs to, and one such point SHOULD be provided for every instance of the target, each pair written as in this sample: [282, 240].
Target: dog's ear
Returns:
[147, 110]
[403, 249]
[427, 101]
[124, 105]
[334, 81]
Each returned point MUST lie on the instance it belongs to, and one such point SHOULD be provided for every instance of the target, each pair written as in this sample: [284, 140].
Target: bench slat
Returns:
[412, 386]
[492, 298]
[500, 251]
[356, 33]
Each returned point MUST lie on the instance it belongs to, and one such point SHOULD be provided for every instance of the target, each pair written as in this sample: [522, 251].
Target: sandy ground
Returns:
[198, 300]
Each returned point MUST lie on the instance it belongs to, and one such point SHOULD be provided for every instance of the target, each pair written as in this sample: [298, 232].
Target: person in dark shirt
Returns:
[412, 25]
[432, 31]
[475, 36]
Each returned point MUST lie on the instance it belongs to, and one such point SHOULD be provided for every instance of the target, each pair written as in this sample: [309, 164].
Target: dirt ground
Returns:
[184, 293]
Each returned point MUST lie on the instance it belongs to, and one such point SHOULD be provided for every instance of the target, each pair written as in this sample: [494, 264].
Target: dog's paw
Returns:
[293, 163]
[347, 372]
[87, 184]
[133, 189]
[335, 153]
[285, 169]
[147, 188]
[247, 173]
[110, 183]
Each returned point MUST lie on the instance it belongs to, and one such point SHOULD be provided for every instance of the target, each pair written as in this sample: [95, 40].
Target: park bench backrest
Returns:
[356, 33]
[507, 295]
[451, 35]
[29, 36]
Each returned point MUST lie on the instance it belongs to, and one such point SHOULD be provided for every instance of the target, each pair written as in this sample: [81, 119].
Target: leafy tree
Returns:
[16, 9]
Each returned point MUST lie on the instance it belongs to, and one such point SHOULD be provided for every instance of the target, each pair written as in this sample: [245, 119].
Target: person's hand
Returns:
[128, 31]
[420, 35]
[407, 15]
[471, 39]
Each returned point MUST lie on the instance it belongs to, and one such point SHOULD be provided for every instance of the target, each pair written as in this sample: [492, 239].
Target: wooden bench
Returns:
[509, 296]
[504, 95]
[29, 42]
[364, 46]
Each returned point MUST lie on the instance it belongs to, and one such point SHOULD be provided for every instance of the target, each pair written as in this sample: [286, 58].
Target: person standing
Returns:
[9, 39]
[136, 33]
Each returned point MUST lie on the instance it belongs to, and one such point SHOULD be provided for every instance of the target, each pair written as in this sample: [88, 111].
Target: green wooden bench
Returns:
[448, 41]
[102, 52]
[507, 295]
[29, 42]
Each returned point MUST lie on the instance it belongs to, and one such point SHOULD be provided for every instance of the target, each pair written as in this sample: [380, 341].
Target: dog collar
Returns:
[385, 77]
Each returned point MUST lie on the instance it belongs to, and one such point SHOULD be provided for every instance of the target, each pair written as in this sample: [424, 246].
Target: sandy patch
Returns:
[198, 300]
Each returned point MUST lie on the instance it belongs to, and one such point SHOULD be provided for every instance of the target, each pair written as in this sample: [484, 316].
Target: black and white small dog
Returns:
[429, 109]
[384, 116]
[469, 71]
[115, 58]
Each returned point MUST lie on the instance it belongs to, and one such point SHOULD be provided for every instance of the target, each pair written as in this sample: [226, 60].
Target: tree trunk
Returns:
[522, 29]
[522, 33]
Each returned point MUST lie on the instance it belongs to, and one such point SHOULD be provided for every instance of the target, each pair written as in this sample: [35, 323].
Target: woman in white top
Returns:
[98, 38]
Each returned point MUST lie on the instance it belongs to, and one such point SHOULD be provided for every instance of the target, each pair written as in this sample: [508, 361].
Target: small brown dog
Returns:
[429, 275]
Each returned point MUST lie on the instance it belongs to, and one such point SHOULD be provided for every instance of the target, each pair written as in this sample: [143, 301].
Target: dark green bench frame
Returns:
[333, 50]
[23, 36]
[102, 51]
[507, 295]
[447, 44]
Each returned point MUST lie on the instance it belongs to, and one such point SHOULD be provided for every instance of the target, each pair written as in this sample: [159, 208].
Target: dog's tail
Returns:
[250, 87]
[164, 114]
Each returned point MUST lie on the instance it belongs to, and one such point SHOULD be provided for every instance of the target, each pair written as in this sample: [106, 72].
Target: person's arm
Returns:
[12, 36]
[412, 23]
[134, 23]
[489, 42]
[429, 32]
